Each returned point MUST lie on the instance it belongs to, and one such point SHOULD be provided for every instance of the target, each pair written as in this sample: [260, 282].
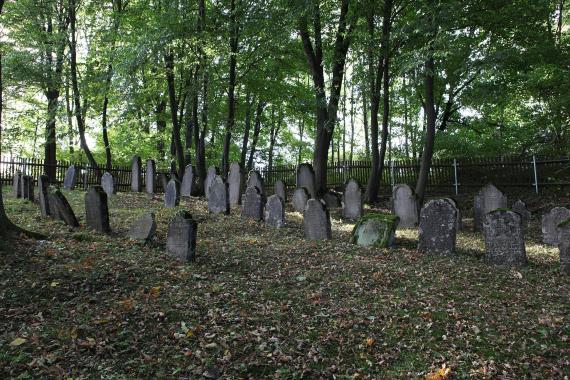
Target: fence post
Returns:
[535, 173]
[392, 174]
[456, 184]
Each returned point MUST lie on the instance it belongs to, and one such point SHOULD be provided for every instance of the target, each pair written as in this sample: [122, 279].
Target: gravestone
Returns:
[187, 186]
[438, 227]
[144, 228]
[405, 206]
[459, 222]
[377, 230]
[306, 179]
[520, 208]
[352, 200]
[504, 241]
[108, 184]
[488, 199]
[255, 180]
[212, 173]
[70, 178]
[280, 189]
[564, 245]
[17, 185]
[316, 221]
[150, 177]
[163, 181]
[332, 199]
[300, 198]
[43, 189]
[218, 196]
[136, 174]
[275, 211]
[235, 183]
[252, 204]
[181, 237]
[550, 223]
[27, 185]
[97, 210]
[172, 194]
[60, 207]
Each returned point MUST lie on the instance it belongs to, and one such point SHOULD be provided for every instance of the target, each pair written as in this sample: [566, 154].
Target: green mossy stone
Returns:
[376, 230]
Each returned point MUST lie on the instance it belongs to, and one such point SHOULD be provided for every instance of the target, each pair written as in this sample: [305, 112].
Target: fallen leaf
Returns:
[441, 374]
[17, 342]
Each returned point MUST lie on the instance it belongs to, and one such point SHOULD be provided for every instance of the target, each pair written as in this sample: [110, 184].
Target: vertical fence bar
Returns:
[392, 174]
[535, 173]
[455, 176]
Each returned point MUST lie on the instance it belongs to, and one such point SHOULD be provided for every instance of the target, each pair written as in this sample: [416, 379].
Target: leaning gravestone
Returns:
[306, 179]
[520, 208]
[488, 199]
[438, 228]
[43, 188]
[564, 245]
[212, 173]
[150, 177]
[108, 184]
[252, 204]
[235, 182]
[97, 210]
[172, 194]
[504, 241]
[186, 188]
[255, 180]
[181, 237]
[27, 185]
[300, 198]
[352, 200]
[280, 189]
[60, 207]
[70, 178]
[275, 211]
[17, 185]
[218, 196]
[143, 229]
[404, 205]
[377, 230]
[136, 174]
[316, 221]
[550, 223]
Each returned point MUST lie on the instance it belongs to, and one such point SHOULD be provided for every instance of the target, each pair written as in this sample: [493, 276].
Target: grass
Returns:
[261, 303]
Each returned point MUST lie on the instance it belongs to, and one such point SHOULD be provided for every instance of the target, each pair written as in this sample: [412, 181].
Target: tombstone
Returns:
[97, 210]
[60, 208]
[218, 196]
[108, 184]
[280, 189]
[306, 179]
[70, 178]
[143, 229]
[235, 182]
[520, 208]
[27, 185]
[316, 221]
[352, 200]
[275, 211]
[405, 205]
[187, 186]
[17, 185]
[332, 199]
[378, 230]
[438, 227]
[300, 198]
[504, 241]
[488, 199]
[550, 223]
[564, 245]
[252, 204]
[172, 194]
[212, 173]
[43, 188]
[181, 237]
[255, 180]
[163, 181]
[150, 177]
[459, 222]
[136, 175]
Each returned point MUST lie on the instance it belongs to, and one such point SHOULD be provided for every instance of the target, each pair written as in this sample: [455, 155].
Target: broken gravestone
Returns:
[316, 221]
[405, 206]
[438, 228]
[97, 210]
[181, 237]
[374, 229]
[504, 241]
[218, 196]
[252, 204]
[550, 223]
[275, 211]
[144, 228]
[352, 200]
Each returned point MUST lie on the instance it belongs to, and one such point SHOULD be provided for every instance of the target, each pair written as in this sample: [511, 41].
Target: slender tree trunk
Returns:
[386, 95]
[177, 142]
[69, 111]
[50, 159]
[247, 127]
[231, 90]
[301, 132]
[351, 121]
[108, 159]
[344, 122]
[256, 130]
[160, 125]
[365, 120]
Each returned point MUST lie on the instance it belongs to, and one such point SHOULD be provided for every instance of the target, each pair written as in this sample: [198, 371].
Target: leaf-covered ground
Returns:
[265, 303]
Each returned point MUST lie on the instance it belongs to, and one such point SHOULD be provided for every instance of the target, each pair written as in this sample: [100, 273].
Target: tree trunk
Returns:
[177, 142]
[104, 121]
[256, 130]
[50, 149]
[365, 120]
[69, 112]
[246, 130]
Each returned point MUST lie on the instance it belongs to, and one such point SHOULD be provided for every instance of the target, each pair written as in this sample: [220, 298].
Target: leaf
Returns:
[441, 374]
[155, 291]
[17, 342]
[369, 342]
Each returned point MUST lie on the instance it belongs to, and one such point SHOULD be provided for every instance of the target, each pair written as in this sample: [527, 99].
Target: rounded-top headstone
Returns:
[144, 228]
[438, 227]
[306, 178]
[352, 200]
[550, 223]
[520, 208]
[488, 199]
[172, 194]
[96, 209]
[235, 183]
[504, 240]
[252, 204]
[300, 198]
[212, 173]
[280, 190]
[136, 174]
[405, 205]
[256, 180]
[186, 188]
[108, 183]
[218, 196]
[150, 177]
[316, 221]
[275, 211]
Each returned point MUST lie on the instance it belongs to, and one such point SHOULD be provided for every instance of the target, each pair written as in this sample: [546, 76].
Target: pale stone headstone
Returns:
[212, 173]
[70, 178]
[352, 200]
[332, 199]
[17, 185]
[60, 207]
[235, 182]
[504, 240]
[275, 211]
[108, 184]
[280, 189]
[144, 228]
[252, 204]
[218, 196]
[181, 237]
[564, 245]
[150, 177]
[405, 206]
[438, 228]
[550, 223]
[27, 185]
[136, 174]
[163, 178]
[43, 189]
[97, 210]
[377, 230]
[520, 208]
[255, 180]
[187, 186]
[300, 198]
[172, 194]
[316, 221]
[488, 199]
[306, 179]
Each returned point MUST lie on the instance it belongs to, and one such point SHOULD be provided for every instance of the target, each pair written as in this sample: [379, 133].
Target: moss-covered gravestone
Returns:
[564, 245]
[377, 230]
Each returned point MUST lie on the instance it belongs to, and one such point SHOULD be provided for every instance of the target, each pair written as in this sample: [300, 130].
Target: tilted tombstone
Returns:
[97, 210]
[150, 177]
[187, 186]
[235, 182]
[163, 181]
[454, 203]
[405, 205]
[255, 180]
[316, 221]
[488, 199]
[520, 208]
[378, 230]
[108, 183]
[504, 240]
[136, 174]
[181, 237]
[275, 211]
[17, 185]
[300, 198]
[550, 223]
[438, 228]
[70, 178]
[352, 200]
[43, 188]
[252, 204]
[212, 173]
[306, 179]
[60, 207]
[218, 196]
[144, 228]
[564, 245]
[172, 194]
[332, 199]
[27, 185]
[280, 189]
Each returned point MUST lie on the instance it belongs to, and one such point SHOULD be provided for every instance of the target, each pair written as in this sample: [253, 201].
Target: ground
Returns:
[265, 303]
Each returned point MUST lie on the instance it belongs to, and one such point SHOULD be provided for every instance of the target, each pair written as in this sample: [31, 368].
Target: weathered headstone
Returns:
[520, 208]
[150, 177]
[60, 207]
[352, 200]
[332, 199]
[300, 198]
[144, 228]
[405, 205]
[17, 185]
[564, 245]
[438, 227]
[252, 204]
[235, 182]
[218, 196]
[212, 173]
[488, 199]
[280, 189]
[136, 174]
[504, 241]
[275, 211]
[27, 185]
[181, 237]
[97, 210]
[187, 186]
[172, 194]
[163, 178]
[316, 221]
[43, 189]
[255, 180]
[70, 178]
[377, 230]
[306, 178]
[550, 223]
[108, 184]
[454, 203]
